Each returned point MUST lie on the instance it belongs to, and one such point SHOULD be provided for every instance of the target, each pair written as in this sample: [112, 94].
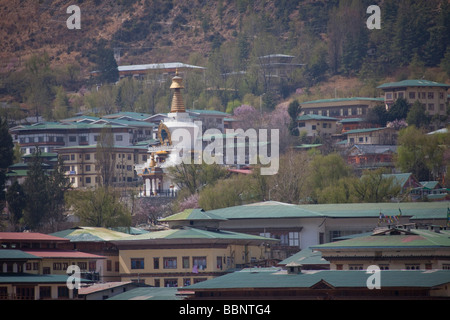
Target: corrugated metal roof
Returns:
[194, 233]
[149, 293]
[413, 83]
[6, 278]
[29, 236]
[275, 278]
[90, 234]
[62, 254]
[14, 254]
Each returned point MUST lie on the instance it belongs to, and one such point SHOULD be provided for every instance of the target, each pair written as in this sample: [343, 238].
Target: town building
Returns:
[95, 240]
[279, 284]
[368, 156]
[341, 107]
[431, 94]
[317, 125]
[395, 248]
[375, 136]
[84, 170]
[33, 266]
[186, 255]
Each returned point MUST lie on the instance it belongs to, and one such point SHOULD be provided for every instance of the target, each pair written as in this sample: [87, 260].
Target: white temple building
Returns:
[177, 136]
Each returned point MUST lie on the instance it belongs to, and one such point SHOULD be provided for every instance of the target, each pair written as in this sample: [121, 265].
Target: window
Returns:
[57, 266]
[199, 263]
[294, 239]
[185, 262]
[63, 291]
[72, 139]
[137, 263]
[412, 266]
[445, 266]
[186, 282]
[388, 95]
[219, 263]
[108, 265]
[170, 282]
[170, 263]
[441, 95]
[430, 95]
[157, 283]
[355, 267]
[119, 137]
[155, 263]
[313, 127]
[384, 267]
[88, 179]
[87, 156]
[431, 106]
[301, 124]
[88, 167]
[412, 95]
[82, 265]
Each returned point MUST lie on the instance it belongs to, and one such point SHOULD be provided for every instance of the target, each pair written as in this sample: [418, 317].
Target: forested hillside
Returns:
[330, 38]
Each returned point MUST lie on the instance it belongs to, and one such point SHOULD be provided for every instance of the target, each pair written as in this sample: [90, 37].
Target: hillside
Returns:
[145, 31]
[329, 38]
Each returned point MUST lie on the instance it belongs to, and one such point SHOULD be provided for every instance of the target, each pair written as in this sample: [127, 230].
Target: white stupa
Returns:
[177, 136]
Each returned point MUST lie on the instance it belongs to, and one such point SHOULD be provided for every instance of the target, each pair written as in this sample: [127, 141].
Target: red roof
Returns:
[29, 236]
[62, 254]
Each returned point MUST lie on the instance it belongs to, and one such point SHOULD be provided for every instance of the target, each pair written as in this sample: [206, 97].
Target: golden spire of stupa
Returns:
[177, 100]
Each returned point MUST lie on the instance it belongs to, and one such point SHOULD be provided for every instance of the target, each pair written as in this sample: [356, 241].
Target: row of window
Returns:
[88, 168]
[408, 266]
[59, 139]
[173, 282]
[196, 263]
[414, 95]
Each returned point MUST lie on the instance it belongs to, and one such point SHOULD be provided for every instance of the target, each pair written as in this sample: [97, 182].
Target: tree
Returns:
[377, 115]
[374, 187]
[15, 198]
[411, 156]
[326, 171]
[105, 156]
[417, 115]
[193, 177]
[39, 89]
[107, 65]
[294, 110]
[289, 184]
[6, 157]
[37, 197]
[399, 110]
[58, 184]
[99, 208]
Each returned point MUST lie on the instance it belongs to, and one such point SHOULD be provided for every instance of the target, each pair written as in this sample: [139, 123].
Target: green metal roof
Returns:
[14, 254]
[276, 278]
[17, 278]
[306, 117]
[363, 130]
[193, 214]
[194, 233]
[149, 293]
[413, 83]
[90, 234]
[305, 257]
[267, 209]
[343, 100]
[277, 210]
[414, 238]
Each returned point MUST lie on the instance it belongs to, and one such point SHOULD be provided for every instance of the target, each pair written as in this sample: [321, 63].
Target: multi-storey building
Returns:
[47, 136]
[432, 95]
[341, 107]
[84, 170]
[33, 266]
